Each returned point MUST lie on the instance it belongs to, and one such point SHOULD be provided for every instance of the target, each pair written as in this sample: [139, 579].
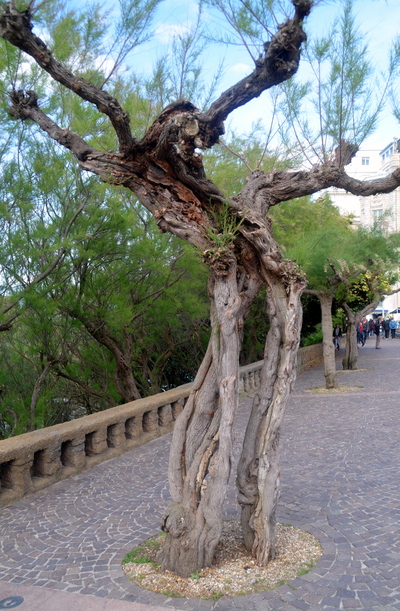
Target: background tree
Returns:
[375, 271]
[312, 231]
[119, 281]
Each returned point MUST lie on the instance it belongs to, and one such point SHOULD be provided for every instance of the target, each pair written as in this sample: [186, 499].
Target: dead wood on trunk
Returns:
[258, 469]
[201, 452]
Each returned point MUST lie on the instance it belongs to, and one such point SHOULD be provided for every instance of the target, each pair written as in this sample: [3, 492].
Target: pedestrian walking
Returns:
[393, 325]
[365, 329]
[337, 336]
[386, 327]
[360, 334]
[371, 327]
[377, 332]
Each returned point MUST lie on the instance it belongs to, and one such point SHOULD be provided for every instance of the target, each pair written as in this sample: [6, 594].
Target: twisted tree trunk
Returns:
[353, 318]
[328, 349]
[258, 470]
[201, 452]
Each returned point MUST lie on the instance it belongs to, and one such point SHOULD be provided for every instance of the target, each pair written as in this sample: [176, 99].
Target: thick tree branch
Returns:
[368, 187]
[25, 106]
[6, 326]
[280, 62]
[16, 27]
[270, 189]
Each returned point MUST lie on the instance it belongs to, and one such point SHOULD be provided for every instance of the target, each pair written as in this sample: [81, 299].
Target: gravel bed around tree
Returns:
[321, 390]
[233, 572]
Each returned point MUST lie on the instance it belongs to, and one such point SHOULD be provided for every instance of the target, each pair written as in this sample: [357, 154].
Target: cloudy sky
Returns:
[379, 21]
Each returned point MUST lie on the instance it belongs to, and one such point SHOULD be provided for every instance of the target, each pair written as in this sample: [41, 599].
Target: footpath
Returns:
[61, 549]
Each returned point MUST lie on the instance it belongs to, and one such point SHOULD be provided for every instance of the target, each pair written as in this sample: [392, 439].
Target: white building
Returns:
[365, 165]
[368, 165]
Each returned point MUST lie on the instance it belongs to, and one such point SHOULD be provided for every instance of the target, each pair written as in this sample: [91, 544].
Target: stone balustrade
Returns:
[35, 460]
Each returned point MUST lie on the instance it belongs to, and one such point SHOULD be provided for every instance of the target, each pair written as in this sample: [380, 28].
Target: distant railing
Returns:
[36, 460]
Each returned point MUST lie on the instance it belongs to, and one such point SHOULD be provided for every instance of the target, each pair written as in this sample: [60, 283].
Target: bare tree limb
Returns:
[16, 27]
[280, 62]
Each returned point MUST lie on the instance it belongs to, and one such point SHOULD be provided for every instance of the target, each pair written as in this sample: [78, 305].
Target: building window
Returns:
[377, 213]
[389, 151]
[365, 161]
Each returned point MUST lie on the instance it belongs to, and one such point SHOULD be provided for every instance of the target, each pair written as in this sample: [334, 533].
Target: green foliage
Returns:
[145, 552]
[109, 266]
[250, 22]
[229, 163]
[325, 244]
[313, 338]
[139, 555]
[310, 231]
[226, 231]
[342, 96]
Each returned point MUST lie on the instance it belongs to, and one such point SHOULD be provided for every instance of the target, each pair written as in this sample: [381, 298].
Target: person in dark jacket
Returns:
[378, 332]
[371, 327]
[337, 336]
[386, 327]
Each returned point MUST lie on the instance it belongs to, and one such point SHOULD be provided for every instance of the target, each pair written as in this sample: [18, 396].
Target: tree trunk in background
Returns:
[327, 343]
[36, 392]
[201, 452]
[258, 469]
[351, 355]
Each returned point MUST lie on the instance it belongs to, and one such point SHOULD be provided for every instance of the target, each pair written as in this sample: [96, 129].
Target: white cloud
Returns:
[104, 63]
[241, 68]
[166, 32]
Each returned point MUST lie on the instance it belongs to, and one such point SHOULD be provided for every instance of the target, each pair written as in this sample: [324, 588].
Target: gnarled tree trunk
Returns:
[258, 469]
[201, 452]
[353, 318]
[328, 348]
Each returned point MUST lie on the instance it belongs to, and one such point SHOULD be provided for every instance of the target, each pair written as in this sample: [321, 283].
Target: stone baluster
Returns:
[116, 435]
[165, 415]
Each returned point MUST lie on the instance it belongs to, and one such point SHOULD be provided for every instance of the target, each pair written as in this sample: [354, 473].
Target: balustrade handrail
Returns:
[35, 460]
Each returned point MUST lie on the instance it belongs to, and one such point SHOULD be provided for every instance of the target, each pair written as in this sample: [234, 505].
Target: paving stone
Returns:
[339, 476]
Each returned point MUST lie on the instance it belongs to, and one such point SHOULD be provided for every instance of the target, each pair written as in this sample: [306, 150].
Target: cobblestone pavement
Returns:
[340, 458]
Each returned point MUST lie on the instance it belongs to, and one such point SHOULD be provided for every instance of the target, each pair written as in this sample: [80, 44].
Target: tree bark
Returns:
[351, 355]
[201, 452]
[258, 479]
[328, 347]
[353, 318]
[258, 469]
[121, 350]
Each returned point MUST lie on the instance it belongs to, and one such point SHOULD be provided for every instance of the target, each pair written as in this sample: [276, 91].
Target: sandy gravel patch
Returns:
[233, 572]
[352, 370]
[321, 390]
